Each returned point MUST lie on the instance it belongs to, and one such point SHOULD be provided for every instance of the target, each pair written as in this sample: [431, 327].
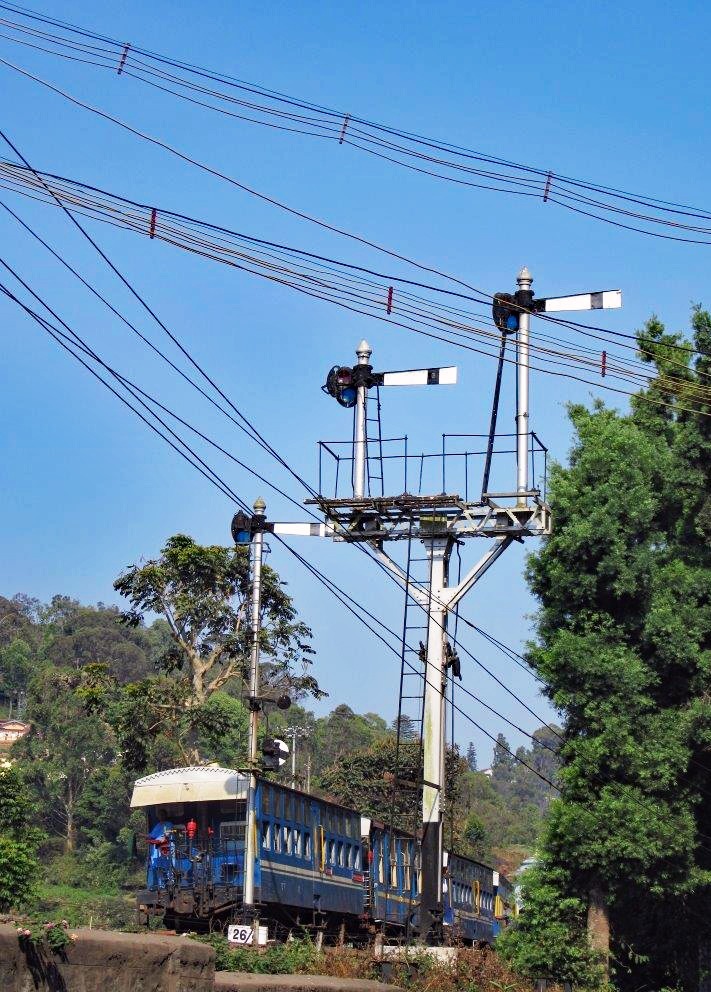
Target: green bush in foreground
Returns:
[19, 868]
[297, 957]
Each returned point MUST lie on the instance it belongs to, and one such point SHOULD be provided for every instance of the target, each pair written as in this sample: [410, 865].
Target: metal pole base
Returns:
[431, 896]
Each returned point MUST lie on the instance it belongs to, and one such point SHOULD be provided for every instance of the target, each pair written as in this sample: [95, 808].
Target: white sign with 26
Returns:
[239, 934]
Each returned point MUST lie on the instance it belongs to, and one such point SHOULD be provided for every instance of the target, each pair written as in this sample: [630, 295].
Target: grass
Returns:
[83, 907]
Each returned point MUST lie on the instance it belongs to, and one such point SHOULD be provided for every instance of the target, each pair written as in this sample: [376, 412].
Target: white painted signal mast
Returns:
[439, 521]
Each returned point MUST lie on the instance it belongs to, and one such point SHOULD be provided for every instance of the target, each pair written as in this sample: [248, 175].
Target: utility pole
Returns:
[360, 441]
[524, 298]
[294, 732]
[257, 554]
[440, 521]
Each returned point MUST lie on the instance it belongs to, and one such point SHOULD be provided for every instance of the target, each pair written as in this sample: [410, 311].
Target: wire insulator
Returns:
[547, 190]
[342, 135]
[124, 56]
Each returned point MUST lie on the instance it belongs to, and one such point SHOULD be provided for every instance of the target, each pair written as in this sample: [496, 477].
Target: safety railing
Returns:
[456, 469]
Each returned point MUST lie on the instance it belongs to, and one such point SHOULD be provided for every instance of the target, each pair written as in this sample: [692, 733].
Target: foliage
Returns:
[296, 957]
[19, 867]
[365, 779]
[549, 935]
[18, 871]
[53, 935]
[471, 970]
[65, 749]
[624, 631]
[203, 595]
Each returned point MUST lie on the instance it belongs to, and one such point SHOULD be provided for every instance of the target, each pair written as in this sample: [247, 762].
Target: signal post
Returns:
[440, 521]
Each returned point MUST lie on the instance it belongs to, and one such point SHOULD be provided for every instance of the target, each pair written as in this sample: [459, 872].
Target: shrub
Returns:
[19, 870]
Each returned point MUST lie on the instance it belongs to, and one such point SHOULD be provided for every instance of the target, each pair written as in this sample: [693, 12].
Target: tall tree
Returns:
[203, 595]
[624, 635]
[65, 750]
[503, 762]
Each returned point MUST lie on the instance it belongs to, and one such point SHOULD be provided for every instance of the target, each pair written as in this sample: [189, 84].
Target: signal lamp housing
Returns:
[241, 528]
[505, 312]
[340, 385]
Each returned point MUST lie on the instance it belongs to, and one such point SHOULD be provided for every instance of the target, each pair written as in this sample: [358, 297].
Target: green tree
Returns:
[203, 595]
[17, 663]
[624, 633]
[503, 763]
[85, 635]
[65, 750]
[408, 727]
[364, 778]
[19, 867]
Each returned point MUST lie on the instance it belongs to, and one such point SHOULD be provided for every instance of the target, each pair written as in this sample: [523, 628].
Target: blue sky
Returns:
[612, 94]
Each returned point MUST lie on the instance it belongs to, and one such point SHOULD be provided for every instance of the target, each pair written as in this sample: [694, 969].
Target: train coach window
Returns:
[342, 853]
[332, 852]
[296, 848]
[266, 835]
[286, 843]
[381, 865]
[232, 831]
[307, 845]
[277, 837]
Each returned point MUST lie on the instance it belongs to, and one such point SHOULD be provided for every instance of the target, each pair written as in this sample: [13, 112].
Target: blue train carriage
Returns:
[468, 899]
[196, 827]
[310, 869]
[394, 878]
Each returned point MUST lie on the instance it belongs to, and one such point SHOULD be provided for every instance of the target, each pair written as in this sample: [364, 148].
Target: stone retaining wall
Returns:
[104, 961]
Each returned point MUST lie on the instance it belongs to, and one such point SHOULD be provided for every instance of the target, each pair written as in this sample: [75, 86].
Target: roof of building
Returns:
[12, 724]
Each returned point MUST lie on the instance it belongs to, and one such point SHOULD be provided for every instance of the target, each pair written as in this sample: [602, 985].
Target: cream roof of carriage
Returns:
[195, 783]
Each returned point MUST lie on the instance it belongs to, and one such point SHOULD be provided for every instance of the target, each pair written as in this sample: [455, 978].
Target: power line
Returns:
[149, 310]
[372, 306]
[397, 146]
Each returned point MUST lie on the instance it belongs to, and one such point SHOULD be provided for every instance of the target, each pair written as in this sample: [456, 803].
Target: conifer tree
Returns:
[623, 642]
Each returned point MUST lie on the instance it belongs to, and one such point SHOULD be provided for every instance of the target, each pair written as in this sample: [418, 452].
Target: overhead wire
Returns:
[280, 204]
[213, 477]
[368, 294]
[270, 449]
[394, 145]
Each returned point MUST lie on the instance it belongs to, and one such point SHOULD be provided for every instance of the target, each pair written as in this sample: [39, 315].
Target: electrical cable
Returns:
[150, 311]
[369, 136]
[614, 369]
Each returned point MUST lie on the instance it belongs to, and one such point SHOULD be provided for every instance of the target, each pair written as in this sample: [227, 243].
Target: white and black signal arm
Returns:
[343, 381]
[507, 307]
[349, 387]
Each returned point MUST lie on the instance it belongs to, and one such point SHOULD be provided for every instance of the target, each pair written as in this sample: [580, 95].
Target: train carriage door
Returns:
[318, 839]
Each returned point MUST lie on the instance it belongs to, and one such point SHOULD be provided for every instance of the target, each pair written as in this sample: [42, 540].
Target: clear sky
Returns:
[614, 93]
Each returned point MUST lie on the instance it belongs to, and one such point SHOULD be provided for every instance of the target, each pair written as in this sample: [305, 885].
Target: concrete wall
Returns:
[103, 961]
